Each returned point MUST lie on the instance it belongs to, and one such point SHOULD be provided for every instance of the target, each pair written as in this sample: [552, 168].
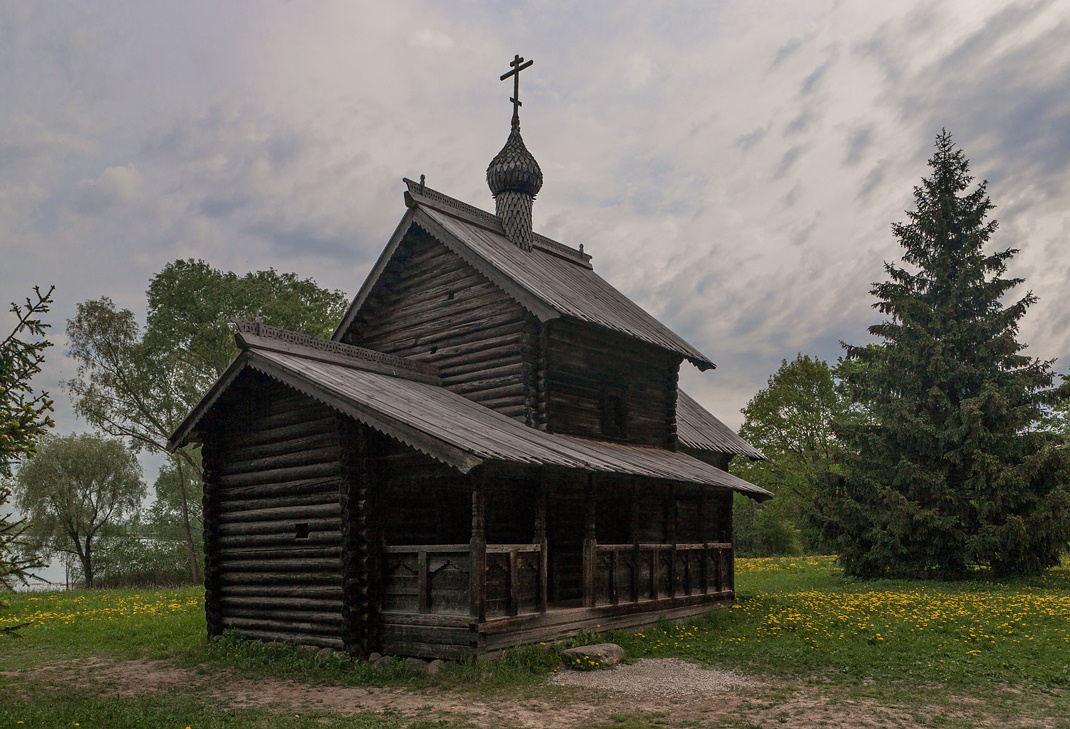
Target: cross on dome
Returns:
[518, 65]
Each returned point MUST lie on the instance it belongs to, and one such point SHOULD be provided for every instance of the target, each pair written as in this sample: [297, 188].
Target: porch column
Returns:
[478, 549]
[670, 514]
[589, 546]
[541, 538]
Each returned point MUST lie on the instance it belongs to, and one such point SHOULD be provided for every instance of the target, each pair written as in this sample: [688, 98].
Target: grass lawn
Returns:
[1002, 647]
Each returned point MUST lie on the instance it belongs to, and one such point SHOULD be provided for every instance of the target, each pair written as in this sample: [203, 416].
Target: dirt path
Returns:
[674, 692]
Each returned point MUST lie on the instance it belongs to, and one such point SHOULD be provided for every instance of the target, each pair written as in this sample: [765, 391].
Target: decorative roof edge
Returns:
[424, 195]
[257, 335]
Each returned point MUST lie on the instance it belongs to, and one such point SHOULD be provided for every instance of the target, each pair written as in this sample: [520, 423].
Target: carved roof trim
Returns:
[256, 335]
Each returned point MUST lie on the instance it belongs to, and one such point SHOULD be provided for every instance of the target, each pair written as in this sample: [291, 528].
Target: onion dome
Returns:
[514, 169]
[514, 179]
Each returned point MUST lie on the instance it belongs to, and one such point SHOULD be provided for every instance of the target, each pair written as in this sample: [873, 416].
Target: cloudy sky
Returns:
[733, 166]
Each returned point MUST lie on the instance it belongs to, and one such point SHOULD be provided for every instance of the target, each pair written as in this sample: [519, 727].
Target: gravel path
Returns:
[655, 676]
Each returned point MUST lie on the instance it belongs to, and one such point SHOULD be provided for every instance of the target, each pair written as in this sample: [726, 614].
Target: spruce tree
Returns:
[946, 469]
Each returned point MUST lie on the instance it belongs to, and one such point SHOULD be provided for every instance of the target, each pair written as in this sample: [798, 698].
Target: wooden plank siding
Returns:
[431, 306]
[580, 365]
[274, 518]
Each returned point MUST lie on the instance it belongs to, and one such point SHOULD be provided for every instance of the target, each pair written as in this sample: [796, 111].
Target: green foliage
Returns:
[16, 563]
[790, 421]
[73, 488]
[23, 415]
[945, 467]
[139, 385]
[190, 305]
[765, 529]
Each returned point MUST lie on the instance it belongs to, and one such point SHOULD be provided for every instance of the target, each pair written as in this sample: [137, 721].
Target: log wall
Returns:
[430, 305]
[273, 517]
[581, 365]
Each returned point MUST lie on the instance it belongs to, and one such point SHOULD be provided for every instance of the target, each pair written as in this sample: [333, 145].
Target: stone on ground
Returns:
[592, 656]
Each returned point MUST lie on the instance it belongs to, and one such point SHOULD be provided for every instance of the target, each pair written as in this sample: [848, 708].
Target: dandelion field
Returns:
[798, 616]
[797, 620]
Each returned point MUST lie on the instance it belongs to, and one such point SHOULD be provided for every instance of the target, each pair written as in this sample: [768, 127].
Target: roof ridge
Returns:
[257, 335]
[421, 193]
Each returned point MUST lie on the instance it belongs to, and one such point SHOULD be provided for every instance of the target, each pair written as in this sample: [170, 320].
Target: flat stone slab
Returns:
[586, 657]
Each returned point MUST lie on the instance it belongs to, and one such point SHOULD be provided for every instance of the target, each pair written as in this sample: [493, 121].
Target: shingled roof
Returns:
[551, 280]
[697, 428]
[400, 399]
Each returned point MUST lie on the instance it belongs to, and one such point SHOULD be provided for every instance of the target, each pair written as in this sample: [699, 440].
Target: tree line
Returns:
[935, 449]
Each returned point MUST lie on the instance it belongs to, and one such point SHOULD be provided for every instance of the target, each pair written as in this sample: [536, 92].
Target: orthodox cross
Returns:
[518, 65]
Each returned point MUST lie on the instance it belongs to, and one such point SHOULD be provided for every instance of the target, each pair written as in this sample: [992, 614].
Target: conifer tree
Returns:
[947, 469]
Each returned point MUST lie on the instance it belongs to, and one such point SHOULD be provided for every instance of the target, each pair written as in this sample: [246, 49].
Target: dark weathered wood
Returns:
[294, 637]
[305, 456]
[590, 544]
[284, 434]
[315, 470]
[478, 549]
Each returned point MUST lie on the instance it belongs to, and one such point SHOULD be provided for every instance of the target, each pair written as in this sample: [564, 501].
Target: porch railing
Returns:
[624, 573]
[436, 578]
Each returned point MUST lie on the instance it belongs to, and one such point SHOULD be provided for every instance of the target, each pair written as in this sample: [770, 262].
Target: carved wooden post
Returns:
[589, 547]
[704, 535]
[541, 538]
[359, 597]
[670, 517]
[478, 549]
[633, 530]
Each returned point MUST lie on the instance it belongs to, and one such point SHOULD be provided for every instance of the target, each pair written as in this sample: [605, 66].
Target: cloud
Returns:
[432, 40]
[115, 186]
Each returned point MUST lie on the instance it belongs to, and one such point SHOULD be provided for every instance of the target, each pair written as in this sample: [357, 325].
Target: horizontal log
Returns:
[300, 565]
[279, 578]
[427, 650]
[432, 301]
[508, 338]
[312, 412]
[308, 616]
[326, 454]
[429, 635]
[273, 635]
[512, 370]
[323, 496]
[429, 332]
[277, 539]
[297, 487]
[487, 329]
[515, 390]
[329, 552]
[288, 527]
[290, 445]
[242, 439]
[308, 513]
[498, 403]
[276, 475]
[312, 597]
[460, 313]
[496, 385]
[235, 605]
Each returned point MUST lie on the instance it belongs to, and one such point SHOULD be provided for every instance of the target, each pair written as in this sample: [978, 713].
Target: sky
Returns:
[733, 166]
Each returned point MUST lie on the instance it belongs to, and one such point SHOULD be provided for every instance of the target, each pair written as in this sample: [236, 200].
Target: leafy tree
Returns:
[140, 385]
[945, 467]
[23, 419]
[790, 421]
[73, 488]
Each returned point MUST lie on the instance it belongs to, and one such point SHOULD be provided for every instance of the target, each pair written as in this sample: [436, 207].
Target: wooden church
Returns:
[491, 450]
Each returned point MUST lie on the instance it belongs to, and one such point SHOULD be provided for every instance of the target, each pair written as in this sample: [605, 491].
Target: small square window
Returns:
[301, 531]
